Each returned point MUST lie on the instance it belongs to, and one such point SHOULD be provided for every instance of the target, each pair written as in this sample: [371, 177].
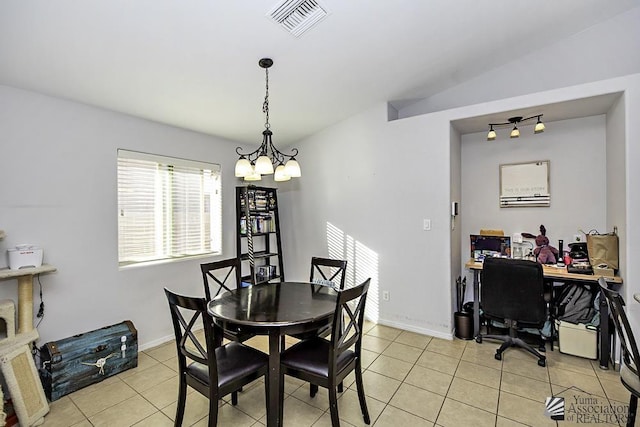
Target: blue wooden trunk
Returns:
[81, 360]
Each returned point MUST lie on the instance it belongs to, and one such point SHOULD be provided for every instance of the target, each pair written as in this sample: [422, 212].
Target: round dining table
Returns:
[275, 309]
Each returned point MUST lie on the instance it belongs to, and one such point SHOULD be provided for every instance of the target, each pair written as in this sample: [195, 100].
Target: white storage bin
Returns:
[577, 340]
[23, 256]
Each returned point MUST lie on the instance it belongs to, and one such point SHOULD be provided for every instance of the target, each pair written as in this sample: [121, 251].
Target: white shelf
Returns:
[6, 273]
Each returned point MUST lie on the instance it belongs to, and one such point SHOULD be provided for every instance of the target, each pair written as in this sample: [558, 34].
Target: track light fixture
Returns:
[515, 132]
[267, 157]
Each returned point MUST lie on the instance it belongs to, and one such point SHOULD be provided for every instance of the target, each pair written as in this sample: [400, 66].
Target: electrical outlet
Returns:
[385, 295]
[577, 237]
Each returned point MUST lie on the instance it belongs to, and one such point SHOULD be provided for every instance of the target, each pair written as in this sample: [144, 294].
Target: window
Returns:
[168, 208]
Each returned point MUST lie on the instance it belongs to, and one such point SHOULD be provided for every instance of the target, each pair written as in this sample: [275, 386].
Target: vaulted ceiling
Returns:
[194, 64]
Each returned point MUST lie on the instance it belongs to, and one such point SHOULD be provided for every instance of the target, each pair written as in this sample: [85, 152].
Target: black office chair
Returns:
[512, 292]
[629, 373]
[221, 276]
[326, 363]
[212, 371]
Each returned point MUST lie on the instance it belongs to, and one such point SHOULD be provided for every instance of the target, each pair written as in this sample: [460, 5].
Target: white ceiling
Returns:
[194, 64]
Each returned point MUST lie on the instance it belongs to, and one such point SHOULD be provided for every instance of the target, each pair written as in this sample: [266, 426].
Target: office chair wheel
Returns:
[479, 339]
[542, 362]
[498, 355]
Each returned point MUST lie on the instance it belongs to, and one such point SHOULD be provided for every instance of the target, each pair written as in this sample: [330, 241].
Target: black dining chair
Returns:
[629, 373]
[221, 276]
[326, 362]
[212, 371]
[328, 271]
[325, 272]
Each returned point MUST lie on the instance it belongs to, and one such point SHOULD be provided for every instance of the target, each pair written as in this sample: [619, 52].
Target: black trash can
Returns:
[463, 321]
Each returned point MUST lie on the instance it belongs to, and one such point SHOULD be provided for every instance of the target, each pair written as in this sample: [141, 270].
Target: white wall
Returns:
[605, 50]
[58, 190]
[377, 180]
[455, 178]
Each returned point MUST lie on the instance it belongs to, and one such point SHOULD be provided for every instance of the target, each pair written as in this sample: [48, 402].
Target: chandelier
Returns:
[267, 159]
[515, 132]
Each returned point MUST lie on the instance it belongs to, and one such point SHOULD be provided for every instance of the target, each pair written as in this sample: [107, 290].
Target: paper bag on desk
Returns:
[603, 249]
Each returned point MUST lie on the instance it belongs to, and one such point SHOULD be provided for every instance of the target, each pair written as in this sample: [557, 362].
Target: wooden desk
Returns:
[275, 309]
[554, 274]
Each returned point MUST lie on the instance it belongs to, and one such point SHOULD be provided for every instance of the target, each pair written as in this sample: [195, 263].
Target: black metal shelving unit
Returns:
[258, 241]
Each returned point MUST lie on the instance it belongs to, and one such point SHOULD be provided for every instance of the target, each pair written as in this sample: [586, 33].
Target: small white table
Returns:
[25, 292]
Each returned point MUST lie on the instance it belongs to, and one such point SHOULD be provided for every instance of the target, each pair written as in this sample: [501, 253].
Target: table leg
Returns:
[476, 303]
[25, 304]
[274, 405]
[605, 344]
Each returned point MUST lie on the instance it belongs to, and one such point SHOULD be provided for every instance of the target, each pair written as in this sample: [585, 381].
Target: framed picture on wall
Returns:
[525, 184]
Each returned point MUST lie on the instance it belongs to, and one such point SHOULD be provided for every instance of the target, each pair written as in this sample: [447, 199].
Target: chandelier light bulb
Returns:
[292, 168]
[280, 174]
[264, 165]
[539, 127]
[515, 133]
[243, 167]
[253, 176]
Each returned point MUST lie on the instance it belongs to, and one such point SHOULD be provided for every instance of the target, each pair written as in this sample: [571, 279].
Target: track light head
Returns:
[491, 136]
[539, 126]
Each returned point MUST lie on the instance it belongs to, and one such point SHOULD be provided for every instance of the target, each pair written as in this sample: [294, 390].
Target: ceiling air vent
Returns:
[298, 16]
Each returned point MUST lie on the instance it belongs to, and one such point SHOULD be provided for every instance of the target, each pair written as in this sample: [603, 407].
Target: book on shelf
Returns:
[265, 272]
[259, 224]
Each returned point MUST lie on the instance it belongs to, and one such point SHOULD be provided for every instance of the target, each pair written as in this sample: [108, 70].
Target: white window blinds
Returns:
[167, 208]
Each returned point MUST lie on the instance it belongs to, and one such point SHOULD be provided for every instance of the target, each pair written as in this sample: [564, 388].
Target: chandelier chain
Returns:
[265, 104]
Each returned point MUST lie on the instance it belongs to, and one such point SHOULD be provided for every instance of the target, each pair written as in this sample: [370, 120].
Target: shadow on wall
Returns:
[362, 263]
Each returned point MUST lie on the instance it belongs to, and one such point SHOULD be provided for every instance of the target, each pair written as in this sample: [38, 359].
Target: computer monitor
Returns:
[482, 246]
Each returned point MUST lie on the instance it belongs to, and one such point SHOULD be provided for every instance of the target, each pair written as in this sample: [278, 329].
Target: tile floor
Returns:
[410, 380]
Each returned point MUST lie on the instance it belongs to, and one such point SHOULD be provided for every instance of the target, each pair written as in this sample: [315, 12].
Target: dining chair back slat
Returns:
[215, 276]
[328, 271]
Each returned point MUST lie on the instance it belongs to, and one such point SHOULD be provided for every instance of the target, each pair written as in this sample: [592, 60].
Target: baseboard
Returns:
[157, 342]
[422, 331]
